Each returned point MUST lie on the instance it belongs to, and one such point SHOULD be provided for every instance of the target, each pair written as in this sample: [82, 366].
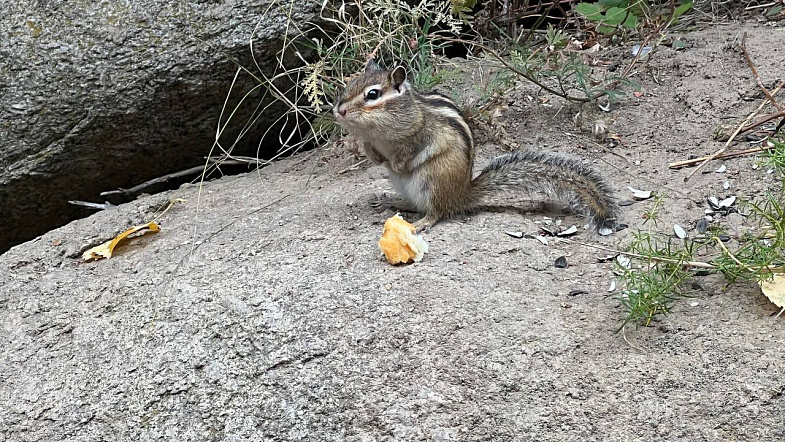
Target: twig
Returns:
[765, 120]
[736, 132]
[523, 74]
[610, 151]
[695, 264]
[135, 191]
[766, 92]
[172, 202]
[536, 24]
[565, 95]
[680, 164]
[749, 8]
[96, 206]
[727, 252]
[624, 335]
[659, 29]
[354, 166]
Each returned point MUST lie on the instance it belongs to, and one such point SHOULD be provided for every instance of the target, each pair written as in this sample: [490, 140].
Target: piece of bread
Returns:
[399, 243]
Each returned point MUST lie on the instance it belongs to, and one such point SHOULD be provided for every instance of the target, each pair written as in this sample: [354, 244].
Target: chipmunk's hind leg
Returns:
[426, 222]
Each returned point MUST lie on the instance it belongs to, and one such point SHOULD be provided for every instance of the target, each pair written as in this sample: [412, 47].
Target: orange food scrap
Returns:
[106, 249]
[399, 243]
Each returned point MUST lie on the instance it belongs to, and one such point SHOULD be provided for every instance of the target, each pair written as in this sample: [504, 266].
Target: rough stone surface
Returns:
[261, 318]
[99, 95]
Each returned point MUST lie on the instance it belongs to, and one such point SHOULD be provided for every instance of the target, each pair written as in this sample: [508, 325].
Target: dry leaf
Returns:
[399, 243]
[775, 289]
[106, 249]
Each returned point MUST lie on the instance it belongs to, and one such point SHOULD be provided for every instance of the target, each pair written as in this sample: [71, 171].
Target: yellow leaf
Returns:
[399, 243]
[106, 249]
[775, 289]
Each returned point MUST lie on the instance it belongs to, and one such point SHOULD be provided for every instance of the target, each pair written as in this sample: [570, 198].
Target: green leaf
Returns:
[614, 16]
[591, 11]
[631, 22]
[605, 29]
[609, 3]
[682, 9]
[773, 11]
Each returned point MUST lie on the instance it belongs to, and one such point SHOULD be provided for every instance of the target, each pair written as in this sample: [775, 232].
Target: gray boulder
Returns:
[269, 315]
[95, 96]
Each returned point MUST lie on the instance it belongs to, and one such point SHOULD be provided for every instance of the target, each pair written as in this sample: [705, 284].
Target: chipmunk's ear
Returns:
[398, 76]
[371, 65]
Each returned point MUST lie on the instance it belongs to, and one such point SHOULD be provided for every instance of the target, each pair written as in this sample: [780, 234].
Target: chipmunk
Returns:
[426, 145]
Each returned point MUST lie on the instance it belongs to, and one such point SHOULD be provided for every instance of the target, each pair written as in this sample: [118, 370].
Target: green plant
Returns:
[313, 65]
[491, 92]
[659, 265]
[566, 73]
[651, 289]
[611, 15]
[389, 31]
[652, 213]
[775, 158]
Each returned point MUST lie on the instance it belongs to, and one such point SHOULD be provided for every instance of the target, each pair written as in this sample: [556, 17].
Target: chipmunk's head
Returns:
[374, 99]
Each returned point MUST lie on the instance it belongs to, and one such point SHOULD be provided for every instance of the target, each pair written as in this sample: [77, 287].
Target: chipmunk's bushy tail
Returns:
[556, 177]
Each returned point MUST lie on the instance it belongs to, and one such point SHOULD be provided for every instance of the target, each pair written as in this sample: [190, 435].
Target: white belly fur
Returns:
[410, 187]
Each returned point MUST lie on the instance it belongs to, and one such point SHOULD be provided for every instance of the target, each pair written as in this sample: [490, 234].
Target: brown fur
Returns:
[425, 143]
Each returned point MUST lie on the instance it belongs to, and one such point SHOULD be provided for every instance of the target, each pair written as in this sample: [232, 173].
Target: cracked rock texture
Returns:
[100, 95]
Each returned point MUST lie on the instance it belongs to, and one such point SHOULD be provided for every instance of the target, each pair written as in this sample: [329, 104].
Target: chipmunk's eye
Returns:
[373, 94]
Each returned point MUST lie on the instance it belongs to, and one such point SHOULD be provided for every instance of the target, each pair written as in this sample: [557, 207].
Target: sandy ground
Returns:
[270, 315]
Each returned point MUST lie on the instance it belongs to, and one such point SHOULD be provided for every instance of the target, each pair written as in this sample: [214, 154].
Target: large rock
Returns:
[266, 319]
[99, 95]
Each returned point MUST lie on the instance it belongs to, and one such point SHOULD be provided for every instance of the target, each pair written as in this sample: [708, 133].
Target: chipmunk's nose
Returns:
[341, 109]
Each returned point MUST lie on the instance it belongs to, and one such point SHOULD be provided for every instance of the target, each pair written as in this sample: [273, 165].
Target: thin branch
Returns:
[694, 264]
[736, 132]
[727, 252]
[680, 164]
[766, 92]
[354, 166]
[765, 120]
[525, 75]
[646, 40]
[766, 5]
